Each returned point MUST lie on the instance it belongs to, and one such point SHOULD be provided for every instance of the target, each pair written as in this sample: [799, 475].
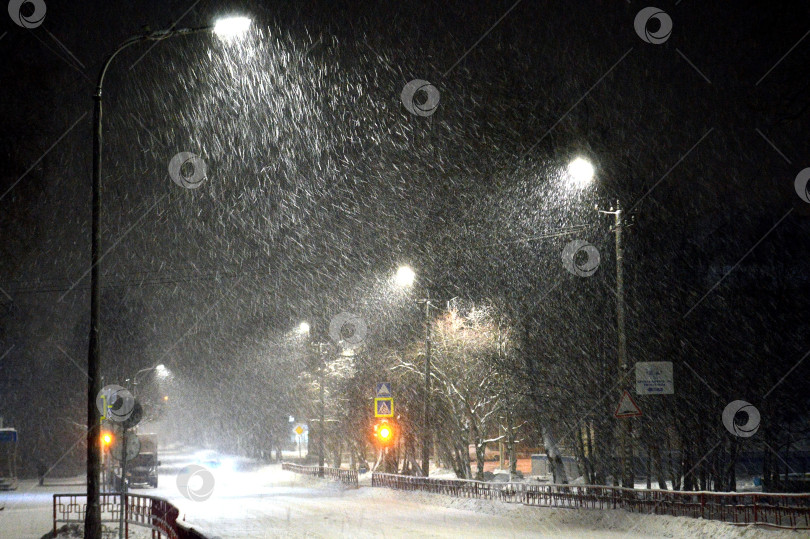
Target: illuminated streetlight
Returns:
[303, 328]
[580, 172]
[225, 29]
[405, 276]
[231, 27]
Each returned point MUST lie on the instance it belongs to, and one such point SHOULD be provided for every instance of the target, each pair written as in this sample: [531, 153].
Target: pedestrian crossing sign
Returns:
[384, 407]
[383, 390]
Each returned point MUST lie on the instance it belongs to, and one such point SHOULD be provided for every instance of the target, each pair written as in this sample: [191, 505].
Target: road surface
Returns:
[251, 501]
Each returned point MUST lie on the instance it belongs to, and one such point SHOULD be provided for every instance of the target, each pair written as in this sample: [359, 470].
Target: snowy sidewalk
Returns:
[301, 506]
[269, 502]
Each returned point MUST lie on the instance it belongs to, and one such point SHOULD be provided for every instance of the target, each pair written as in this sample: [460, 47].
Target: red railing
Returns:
[150, 512]
[347, 477]
[777, 510]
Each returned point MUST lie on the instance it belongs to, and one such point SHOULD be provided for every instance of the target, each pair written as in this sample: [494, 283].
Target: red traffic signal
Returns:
[384, 432]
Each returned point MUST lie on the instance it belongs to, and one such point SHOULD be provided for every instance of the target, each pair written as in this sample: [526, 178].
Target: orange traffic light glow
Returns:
[384, 432]
[106, 438]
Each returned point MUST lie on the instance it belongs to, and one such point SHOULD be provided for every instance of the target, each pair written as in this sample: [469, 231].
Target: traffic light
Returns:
[106, 439]
[384, 432]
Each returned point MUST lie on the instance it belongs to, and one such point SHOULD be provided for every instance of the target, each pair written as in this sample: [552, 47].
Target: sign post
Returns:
[126, 448]
[299, 430]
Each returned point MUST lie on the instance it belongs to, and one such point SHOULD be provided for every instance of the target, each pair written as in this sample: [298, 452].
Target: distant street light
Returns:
[303, 328]
[580, 172]
[160, 370]
[231, 27]
[226, 29]
[405, 276]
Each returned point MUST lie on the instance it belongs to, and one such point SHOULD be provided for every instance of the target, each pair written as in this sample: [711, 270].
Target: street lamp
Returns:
[229, 28]
[92, 523]
[579, 172]
[160, 370]
[322, 349]
[405, 276]
[319, 348]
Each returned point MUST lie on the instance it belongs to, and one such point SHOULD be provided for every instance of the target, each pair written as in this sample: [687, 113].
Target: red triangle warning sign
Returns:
[627, 407]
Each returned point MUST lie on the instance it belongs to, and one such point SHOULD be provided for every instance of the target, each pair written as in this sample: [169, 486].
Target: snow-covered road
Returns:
[250, 502]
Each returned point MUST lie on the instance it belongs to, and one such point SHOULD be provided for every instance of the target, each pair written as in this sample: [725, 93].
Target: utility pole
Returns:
[426, 432]
[92, 518]
[322, 425]
[322, 405]
[124, 500]
[626, 430]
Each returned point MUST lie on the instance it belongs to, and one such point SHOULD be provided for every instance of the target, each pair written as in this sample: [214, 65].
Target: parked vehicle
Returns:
[143, 469]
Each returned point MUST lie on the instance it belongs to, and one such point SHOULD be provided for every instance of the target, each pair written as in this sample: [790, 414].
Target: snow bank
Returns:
[564, 522]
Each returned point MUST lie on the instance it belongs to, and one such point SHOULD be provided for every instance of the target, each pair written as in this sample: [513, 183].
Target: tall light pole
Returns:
[626, 430]
[321, 369]
[426, 432]
[404, 278]
[319, 349]
[225, 28]
[580, 173]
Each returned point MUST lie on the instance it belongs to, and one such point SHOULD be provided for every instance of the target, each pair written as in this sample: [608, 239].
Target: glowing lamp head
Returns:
[405, 276]
[580, 172]
[106, 439]
[231, 27]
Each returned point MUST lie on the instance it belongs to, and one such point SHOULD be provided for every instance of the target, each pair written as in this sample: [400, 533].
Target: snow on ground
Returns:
[283, 504]
[446, 516]
[252, 501]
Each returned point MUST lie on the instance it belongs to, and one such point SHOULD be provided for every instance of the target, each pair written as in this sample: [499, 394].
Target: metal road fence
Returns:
[775, 510]
[347, 477]
[150, 512]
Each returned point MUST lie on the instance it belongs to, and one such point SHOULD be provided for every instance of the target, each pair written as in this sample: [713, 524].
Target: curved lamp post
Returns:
[225, 29]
